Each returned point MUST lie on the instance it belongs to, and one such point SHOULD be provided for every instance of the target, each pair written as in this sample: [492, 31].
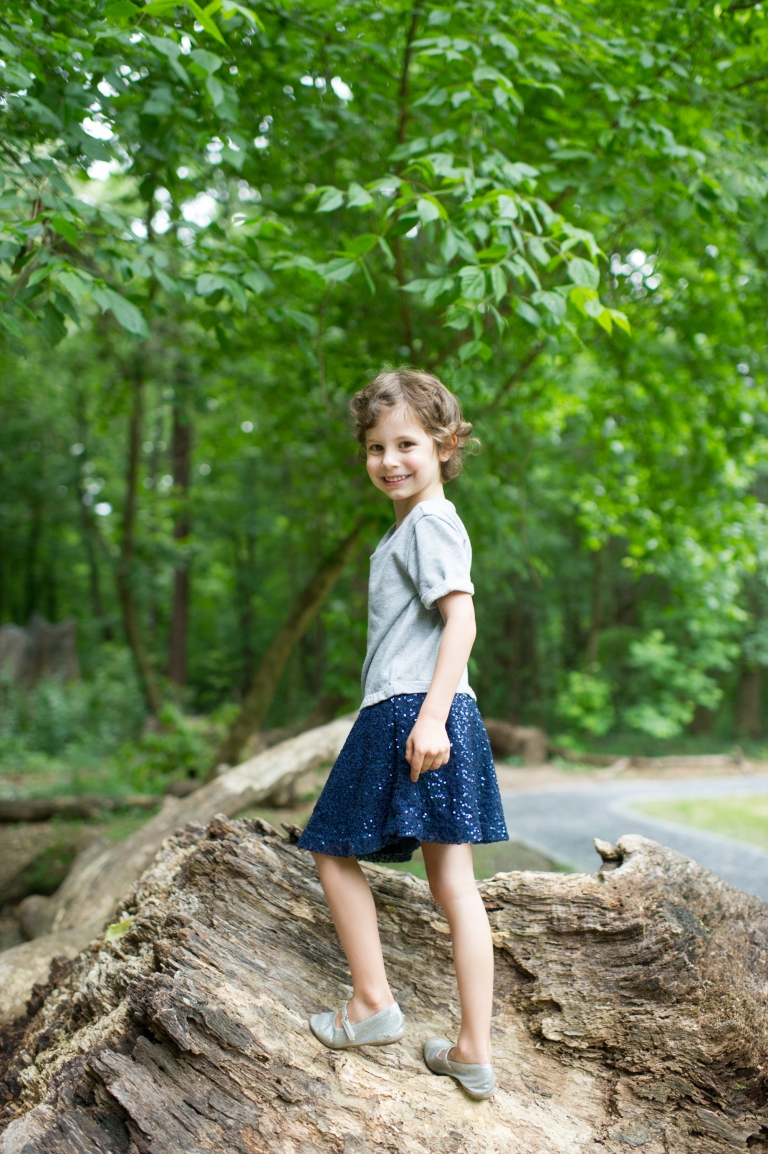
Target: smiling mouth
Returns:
[396, 480]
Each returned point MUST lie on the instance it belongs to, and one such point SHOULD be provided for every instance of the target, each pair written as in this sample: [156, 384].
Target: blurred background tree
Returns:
[218, 223]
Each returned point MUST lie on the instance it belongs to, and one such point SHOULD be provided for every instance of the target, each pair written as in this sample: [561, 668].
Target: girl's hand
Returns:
[427, 747]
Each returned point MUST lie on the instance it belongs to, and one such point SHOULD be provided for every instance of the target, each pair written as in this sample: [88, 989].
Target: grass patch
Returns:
[499, 857]
[742, 818]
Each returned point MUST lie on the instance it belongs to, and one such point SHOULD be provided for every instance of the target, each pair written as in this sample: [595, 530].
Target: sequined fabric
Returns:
[371, 809]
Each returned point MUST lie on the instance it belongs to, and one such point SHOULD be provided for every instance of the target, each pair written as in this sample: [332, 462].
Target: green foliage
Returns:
[667, 686]
[560, 209]
[179, 747]
[86, 719]
[585, 702]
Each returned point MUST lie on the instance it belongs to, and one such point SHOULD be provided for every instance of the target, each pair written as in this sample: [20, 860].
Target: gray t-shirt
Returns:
[414, 564]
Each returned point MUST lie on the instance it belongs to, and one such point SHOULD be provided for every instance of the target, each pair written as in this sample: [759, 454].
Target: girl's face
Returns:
[403, 460]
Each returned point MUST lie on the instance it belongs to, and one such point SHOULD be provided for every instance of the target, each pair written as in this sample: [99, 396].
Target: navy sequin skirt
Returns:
[371, 809]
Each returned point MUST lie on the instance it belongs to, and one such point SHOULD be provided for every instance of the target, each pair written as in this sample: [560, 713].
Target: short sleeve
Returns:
[438, 560]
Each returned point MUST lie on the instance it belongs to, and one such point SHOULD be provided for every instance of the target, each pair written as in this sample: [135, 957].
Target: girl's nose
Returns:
[390, 458]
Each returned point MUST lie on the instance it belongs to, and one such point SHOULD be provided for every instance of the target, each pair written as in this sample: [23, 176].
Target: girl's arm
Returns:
[428, 746]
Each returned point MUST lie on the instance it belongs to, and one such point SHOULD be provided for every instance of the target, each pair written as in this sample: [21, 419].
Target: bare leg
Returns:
[351, 904]
[452, 882]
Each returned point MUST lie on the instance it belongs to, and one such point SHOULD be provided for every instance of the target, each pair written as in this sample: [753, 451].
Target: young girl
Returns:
[417, 767]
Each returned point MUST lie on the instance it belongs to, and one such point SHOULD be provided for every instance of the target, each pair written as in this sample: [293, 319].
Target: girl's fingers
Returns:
[423, 761]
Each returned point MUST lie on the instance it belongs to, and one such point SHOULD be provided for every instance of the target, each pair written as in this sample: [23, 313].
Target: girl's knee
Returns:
[447, 892]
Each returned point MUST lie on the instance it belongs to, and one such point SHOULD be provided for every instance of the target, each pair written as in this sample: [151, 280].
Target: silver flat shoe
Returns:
[477, 1080]
[381, 1029]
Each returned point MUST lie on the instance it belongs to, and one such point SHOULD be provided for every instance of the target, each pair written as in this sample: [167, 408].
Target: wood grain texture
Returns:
[630, 1013]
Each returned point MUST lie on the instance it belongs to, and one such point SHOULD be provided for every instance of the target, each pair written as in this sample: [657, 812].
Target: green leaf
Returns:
[583, 272]
[620, 319]
[208, 61]
[209, 282]
[332, 198]
[168, 283]
[52, 324]
[121, 10]
[474, 349]
[339, 269]
[472, 282]
[206, 21]
[257, 280]
[170, 49]
[552, 302]
[75, 283]
[416, 286]
[123, 310]
[403, 151]
[429, 208]
[118, 930]
[537, 250]
[510, 50]
[40, 274]
[11, 325]
[387, 252]
[358, 197]
[16, 75]
[498, 283]
[160, 7]
[586, 300]
[363, 244]
[524, 310]
[493, 253]
[64, 305]
[215, 89]
[228, 9]
[603, 318]
[7, 48]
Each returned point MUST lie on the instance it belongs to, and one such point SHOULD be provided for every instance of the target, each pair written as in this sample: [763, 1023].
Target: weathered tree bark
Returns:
[181, 457]
[124, 570]
[89, 532]
[749, 701]
[259, 697]
[630, 1012]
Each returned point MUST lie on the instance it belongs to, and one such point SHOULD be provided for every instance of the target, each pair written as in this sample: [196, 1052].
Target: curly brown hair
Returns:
[427, 398]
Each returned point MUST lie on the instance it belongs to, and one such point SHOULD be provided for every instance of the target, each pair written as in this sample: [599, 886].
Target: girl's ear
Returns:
[446, 451]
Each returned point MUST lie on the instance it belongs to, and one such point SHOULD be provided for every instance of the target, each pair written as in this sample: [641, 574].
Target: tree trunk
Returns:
[181, 456]
[88, 530]
[596, 609]
[749, 711]
[259, 697]
[124, 573]
[402, 135]
[630, 1011]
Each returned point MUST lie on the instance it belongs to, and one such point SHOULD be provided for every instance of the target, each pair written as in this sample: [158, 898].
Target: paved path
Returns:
[562, 821]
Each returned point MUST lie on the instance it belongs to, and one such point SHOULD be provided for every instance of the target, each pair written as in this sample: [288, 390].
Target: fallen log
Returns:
[630, 1012]
[84, 806]
[535, 746]
[103, 873]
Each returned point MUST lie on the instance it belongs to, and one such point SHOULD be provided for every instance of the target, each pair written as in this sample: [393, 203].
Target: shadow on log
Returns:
[630, 1012]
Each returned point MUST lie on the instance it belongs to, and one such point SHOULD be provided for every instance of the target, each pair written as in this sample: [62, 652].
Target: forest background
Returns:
[218, 223]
